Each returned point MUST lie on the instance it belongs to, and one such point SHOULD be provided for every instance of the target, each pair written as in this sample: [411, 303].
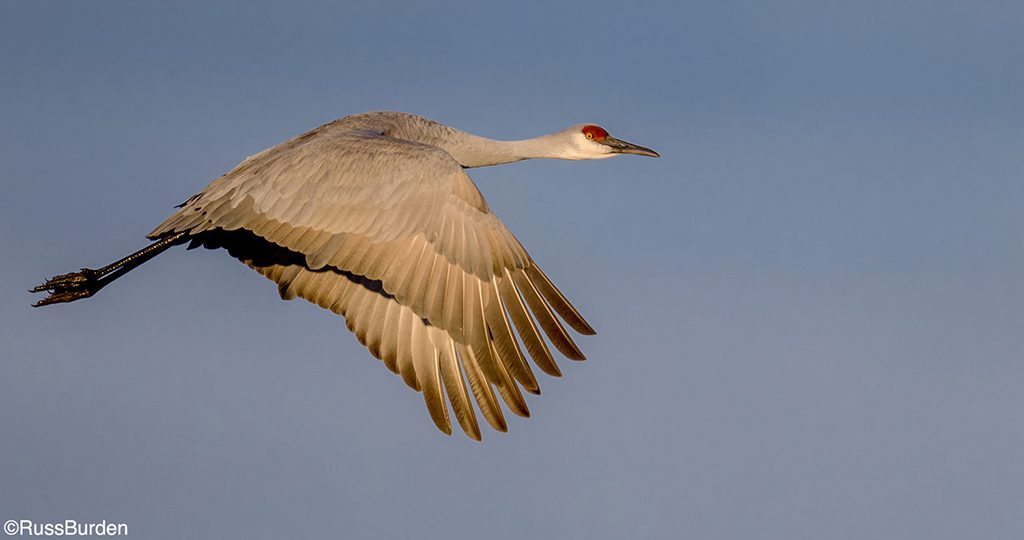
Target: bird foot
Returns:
[69, 287]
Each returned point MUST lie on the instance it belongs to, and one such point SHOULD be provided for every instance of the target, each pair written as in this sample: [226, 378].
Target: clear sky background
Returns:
[810, 309]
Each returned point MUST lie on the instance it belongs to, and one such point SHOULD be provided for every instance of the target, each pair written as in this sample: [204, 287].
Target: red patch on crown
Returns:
[596, 133]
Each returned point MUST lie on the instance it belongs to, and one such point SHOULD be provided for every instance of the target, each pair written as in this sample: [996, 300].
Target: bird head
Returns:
[591, 141]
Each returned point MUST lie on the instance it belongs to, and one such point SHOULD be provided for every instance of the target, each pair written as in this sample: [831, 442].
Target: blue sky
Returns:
[809, 309]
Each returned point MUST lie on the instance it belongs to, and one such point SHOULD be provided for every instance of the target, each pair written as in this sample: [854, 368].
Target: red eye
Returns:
[595, 132]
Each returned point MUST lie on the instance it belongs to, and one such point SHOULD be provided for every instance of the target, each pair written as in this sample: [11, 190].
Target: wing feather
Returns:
[509, 390]
[535, 344]
[388, 343]
[554, 330]
[433, 300]
[454, 303]
[482, 391]
[375, 324]
[505, 344]
[558, 301]
[451, 375]
[428, 371]
[406, 367]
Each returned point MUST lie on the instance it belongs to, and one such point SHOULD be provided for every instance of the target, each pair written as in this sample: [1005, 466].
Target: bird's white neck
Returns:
[475, 151]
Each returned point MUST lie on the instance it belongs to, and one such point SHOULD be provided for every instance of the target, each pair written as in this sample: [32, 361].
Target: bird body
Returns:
[373, 217]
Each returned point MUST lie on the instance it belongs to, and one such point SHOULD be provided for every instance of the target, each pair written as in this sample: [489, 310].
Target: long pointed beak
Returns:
[623, 147]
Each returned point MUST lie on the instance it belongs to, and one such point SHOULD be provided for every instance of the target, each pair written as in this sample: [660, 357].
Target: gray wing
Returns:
[395, 237]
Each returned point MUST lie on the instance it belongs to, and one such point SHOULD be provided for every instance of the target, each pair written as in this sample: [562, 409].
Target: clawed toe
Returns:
[70, 296]
[68, 287]
[63, 281]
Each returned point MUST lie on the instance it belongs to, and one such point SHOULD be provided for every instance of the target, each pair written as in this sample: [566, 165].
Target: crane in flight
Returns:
[373, 217]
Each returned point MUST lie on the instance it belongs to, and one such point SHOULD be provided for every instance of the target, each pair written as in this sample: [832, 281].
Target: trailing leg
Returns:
[87, 282]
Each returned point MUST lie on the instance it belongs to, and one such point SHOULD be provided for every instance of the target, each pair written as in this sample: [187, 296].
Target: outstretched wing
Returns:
[394, 236]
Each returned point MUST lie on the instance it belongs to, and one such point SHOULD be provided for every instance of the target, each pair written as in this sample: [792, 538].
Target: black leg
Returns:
[87, 282]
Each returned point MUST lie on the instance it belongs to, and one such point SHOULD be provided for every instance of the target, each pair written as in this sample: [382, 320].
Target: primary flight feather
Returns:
[373, 217]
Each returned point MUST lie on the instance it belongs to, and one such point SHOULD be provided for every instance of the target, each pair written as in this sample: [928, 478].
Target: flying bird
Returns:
[373, 217]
